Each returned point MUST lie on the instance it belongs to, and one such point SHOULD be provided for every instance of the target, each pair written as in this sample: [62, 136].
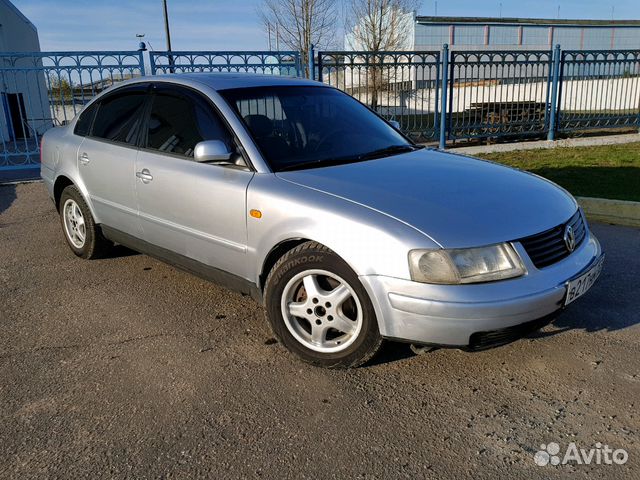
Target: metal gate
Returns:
[39, 90]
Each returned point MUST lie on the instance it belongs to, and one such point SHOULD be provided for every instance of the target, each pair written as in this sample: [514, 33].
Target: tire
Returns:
[82, 234]
[336, 326]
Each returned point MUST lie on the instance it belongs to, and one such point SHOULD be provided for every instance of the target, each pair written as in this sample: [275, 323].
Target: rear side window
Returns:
[180, 120]
[83, 125]
[119, 116]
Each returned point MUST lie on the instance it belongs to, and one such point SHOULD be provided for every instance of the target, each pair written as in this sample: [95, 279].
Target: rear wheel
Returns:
[319, 310]
[83, 236]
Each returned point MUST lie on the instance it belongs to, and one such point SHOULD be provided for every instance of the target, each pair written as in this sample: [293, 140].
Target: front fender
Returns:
[371, 242]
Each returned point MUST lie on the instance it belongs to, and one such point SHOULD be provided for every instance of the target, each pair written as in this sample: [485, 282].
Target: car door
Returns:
[106, 156]
[196, 210]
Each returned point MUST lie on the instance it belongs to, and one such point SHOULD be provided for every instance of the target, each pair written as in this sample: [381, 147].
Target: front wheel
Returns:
[319, 310]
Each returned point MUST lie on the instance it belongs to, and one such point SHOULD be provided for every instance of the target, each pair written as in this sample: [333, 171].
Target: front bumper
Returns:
[449, 315]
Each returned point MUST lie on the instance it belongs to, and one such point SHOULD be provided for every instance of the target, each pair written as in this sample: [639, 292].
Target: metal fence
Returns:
[598, 90]
[450, 96]
[492, 95]
[264, 62]
[40, 90]
[400, 86]
[498, 93]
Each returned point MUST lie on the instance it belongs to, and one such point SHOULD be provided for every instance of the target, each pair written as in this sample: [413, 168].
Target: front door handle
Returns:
[144, 175]
[84, 158]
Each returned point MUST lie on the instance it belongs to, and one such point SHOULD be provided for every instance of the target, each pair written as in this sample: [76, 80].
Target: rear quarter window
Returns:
[83, 125]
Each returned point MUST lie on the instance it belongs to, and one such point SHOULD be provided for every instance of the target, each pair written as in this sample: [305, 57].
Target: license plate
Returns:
[579, 286]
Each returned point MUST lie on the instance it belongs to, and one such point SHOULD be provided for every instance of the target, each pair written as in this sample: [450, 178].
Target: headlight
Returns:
[465, 265]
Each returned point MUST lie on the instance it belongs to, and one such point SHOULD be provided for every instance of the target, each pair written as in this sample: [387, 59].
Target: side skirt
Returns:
[226, 279]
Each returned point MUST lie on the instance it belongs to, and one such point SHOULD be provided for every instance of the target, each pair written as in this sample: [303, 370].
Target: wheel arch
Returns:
[284, 246]
[277, 252]
[62, 181]
[60, 184]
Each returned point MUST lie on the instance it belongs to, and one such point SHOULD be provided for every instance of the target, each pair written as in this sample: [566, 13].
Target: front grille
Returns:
[549, 247]
[494, 338]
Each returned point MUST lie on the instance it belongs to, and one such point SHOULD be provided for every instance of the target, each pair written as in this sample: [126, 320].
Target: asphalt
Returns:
[126, 367]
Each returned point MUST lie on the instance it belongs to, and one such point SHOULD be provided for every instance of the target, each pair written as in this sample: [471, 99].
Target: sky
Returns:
[235, 24]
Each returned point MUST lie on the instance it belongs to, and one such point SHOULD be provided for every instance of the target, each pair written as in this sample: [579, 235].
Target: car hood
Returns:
[456, 200]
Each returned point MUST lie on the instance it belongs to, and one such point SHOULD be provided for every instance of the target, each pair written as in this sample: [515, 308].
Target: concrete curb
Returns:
[616, 212]
[19, 182]
[545, 144]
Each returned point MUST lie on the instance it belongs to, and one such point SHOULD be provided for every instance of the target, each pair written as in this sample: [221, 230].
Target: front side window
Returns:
[179, 120]
[304, 127]
[119, 115]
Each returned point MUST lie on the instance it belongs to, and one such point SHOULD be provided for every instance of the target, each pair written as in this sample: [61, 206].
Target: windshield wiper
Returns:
[391, 150]
[325, 162]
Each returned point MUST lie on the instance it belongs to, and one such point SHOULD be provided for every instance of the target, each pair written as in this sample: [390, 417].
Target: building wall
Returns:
[527, 37]
[18, 34]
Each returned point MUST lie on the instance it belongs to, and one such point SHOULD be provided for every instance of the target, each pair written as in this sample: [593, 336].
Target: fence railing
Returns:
[265, 62]
[450, 96]
[494, 94]
[598, 89]
[497, 94]
[39, 90]
[400, 86]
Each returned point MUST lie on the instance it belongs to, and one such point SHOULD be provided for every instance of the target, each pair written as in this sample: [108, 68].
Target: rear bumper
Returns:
[468, 315]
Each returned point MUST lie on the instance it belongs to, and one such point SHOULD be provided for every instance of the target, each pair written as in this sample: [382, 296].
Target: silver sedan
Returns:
[299, 195]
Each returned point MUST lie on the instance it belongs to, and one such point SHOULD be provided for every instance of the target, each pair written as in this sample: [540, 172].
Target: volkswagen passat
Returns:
[301, 196]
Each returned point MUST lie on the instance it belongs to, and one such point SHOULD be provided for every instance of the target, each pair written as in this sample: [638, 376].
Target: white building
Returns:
[24, 105]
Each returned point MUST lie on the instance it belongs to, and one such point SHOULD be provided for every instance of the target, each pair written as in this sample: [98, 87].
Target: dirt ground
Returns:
[126, 367]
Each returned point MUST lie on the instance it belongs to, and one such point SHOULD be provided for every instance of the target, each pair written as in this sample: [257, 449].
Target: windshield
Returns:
[304, 127]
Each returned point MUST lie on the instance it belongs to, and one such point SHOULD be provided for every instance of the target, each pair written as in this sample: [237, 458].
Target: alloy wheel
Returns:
[322, 311]
[74, 224]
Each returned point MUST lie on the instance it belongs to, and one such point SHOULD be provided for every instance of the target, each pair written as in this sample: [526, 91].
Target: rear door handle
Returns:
[84, 158]
[144, 175]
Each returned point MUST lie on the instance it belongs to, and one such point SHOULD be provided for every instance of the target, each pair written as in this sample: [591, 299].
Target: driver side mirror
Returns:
[211, 151]
[394, 124]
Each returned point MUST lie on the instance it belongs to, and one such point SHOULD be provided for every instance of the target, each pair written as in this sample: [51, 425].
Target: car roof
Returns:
[224, 81]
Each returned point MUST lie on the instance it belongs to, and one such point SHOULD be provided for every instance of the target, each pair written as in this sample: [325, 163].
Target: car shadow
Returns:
[119, 251]
[7, 196]
[601, 311]
[611, 304]
[391, 352]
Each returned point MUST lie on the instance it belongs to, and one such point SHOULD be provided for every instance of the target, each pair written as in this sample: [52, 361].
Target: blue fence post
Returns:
[554, 93]
[319, 66]
[443, 97]
[299, 67]
[311, 62]
[152, 63]
[141, 53]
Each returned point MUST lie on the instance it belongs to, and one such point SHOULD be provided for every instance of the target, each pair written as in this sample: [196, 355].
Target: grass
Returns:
[608, 171]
